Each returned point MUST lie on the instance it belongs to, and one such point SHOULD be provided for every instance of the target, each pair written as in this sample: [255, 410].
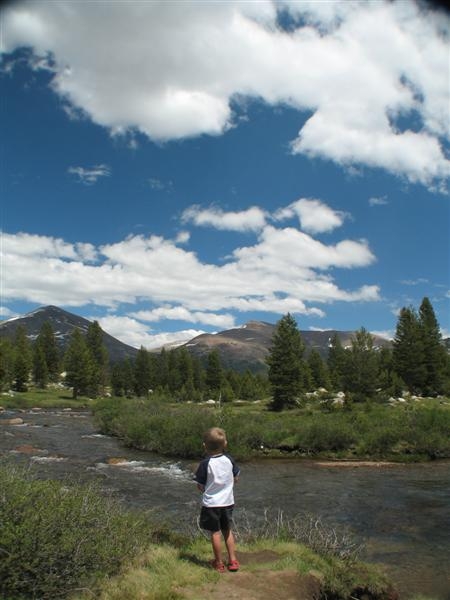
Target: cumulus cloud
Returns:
[172, 70]
[314, 215]
[285, 270]
[180, 313]
[252, 219]
[136, 334]
[90, 175]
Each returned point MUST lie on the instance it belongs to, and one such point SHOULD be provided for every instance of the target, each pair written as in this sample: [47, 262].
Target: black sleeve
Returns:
[236, 469]
[201, 473]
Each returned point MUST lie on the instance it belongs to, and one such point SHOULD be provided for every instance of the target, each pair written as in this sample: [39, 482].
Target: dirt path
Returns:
[259, 583]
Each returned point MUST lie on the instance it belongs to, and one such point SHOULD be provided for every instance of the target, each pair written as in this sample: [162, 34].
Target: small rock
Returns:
[15, 421]
[116, 461]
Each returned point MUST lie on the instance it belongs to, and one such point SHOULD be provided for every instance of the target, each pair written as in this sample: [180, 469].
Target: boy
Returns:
[215, 477]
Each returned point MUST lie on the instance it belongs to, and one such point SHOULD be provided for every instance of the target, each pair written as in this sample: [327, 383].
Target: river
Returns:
[399, 512]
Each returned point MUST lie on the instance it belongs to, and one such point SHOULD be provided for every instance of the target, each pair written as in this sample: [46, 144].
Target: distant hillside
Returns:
[241, 348]
[247, 347]
[63, 323]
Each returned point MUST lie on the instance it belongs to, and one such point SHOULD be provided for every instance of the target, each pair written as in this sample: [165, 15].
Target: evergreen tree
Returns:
[22, 360]
[434, 352]
[40, 370]
[100, 360]
[319, 371]
[286, 367]
[214, 374]
[47, 343]
[6, 364]
[408, 353]
[198, 374]
[336, 363]
[163, 375]
[361, 377]
[142, 375]
[78, 364]
[122, 378]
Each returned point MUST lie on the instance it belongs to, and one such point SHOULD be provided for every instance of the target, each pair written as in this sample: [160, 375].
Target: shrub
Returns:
[55, 538]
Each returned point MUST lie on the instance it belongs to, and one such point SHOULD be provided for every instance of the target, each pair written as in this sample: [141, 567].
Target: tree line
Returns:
[85, 367]
[417, 362]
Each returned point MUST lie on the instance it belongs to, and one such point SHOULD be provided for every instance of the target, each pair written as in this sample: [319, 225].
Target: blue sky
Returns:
[176, 168]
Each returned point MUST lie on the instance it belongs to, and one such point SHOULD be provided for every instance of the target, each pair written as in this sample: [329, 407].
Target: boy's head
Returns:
[214, 440]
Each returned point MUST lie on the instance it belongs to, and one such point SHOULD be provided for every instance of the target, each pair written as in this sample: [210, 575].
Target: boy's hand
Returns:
[201, 487]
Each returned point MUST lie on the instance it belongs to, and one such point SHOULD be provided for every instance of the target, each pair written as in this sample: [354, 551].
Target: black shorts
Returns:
[216, 518]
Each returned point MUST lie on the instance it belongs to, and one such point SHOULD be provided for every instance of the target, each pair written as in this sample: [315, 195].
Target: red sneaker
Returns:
[218, 566]
[233, 565]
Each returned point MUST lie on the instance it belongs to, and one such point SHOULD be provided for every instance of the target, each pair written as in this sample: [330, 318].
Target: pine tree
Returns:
[6, 364]
[22, 360]
[40, 370]
[214, 374]
[78, 364]
[142, 381]
[434, 352]
[99, 355]
[362, 366]
[319, 371]
[47, 342]
[286, 367]
[336, 362]
[408, 353]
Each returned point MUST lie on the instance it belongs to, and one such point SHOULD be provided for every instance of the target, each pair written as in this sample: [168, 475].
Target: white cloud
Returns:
[91, 175]
[6, 313]
[378, 201]
[386, 334]
[135, 334]
[171, 70]
[252, 219]
[180, 313]
[285, 270]
[314, 215]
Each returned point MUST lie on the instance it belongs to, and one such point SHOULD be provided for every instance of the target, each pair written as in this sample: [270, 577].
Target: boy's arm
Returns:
[201, 475]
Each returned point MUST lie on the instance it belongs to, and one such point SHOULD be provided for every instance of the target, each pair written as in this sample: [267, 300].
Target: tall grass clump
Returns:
[56, 538]
[156, 426]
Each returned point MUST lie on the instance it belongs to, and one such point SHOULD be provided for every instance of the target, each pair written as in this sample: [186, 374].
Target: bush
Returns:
[55, 538]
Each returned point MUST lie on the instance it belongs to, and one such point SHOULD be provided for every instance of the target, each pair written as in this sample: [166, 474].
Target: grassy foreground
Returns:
[412, 431]
[67, 541]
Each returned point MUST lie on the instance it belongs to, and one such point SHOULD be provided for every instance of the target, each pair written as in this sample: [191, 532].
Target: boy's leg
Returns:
[216, 541]
[230, 544]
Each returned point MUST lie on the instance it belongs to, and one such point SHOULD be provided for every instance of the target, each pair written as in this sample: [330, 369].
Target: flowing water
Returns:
[399, 512]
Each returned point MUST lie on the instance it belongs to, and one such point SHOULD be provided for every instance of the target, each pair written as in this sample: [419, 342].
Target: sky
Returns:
[172, 168]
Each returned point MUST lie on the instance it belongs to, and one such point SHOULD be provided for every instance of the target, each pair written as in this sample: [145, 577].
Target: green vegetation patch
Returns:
[419, 431]
[55, 538]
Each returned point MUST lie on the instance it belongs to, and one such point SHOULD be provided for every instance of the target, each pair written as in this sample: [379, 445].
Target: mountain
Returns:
[247, 347]
[63, 323]
[241, 348]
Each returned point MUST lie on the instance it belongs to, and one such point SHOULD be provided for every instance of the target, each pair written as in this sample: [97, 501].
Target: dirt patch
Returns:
[360, 463]
[260, 584]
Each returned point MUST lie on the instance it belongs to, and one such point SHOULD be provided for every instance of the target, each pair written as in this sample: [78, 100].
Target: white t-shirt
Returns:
[217, 474]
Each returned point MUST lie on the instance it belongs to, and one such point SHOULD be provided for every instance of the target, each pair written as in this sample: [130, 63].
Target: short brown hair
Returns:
[215, 439]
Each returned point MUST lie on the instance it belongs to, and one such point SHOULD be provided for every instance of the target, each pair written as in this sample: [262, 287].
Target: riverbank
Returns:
[412, 432]
[396, 513]
[70, 541]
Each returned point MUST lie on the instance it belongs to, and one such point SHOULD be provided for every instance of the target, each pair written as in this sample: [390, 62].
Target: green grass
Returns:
[410, 432]
[49, 398]
[67, 541]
